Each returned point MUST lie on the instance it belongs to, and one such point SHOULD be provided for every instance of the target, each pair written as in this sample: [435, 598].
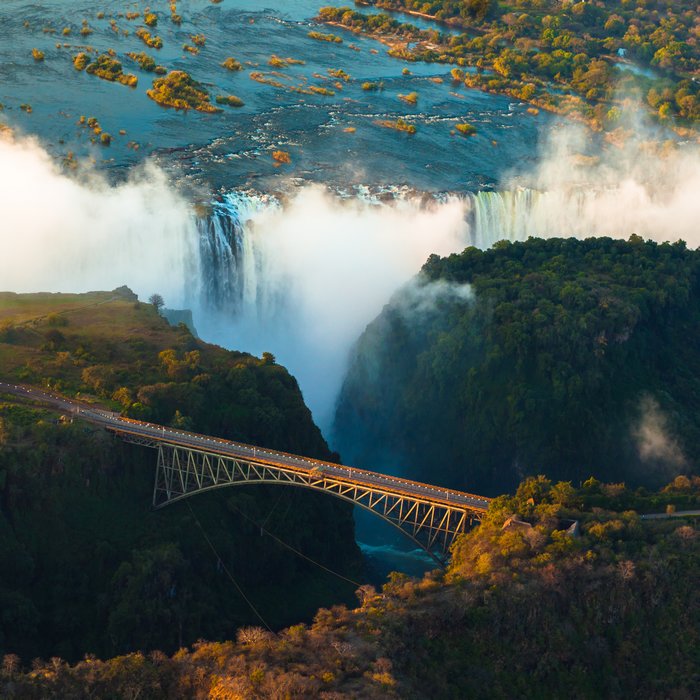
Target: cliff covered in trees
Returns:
[530, 607]
[560, 356]
[85, 565]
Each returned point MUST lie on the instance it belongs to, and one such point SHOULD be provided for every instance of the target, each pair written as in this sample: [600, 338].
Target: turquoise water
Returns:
[233, 148]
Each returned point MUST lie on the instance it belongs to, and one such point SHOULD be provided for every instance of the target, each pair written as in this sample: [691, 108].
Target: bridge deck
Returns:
[160, 434]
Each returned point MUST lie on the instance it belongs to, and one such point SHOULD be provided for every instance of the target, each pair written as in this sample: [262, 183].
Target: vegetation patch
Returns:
[320, 36]
[465, 129]
[154, 42]
[321, 90]
[276, 82]
[175, 18]
[278, 62]
[545, 330]
[109, 68]
[398, 125]
[92, 492]
[339, 74]
[281, 157]
[232, 64]
[411, 98]
[146, 62]
[230, 100]
[179, 90]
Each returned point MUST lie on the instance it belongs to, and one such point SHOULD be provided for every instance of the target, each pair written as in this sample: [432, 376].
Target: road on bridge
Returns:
[217, 446]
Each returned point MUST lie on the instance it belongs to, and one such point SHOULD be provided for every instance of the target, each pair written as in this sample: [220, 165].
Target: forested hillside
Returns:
[530, 607]
[561, 356]
[85, 564]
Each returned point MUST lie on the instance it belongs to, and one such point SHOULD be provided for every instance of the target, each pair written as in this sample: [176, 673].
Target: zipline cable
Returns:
[228, 573]
[293, 549]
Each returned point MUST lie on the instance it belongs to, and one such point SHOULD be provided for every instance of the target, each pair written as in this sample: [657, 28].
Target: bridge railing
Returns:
[353, 474]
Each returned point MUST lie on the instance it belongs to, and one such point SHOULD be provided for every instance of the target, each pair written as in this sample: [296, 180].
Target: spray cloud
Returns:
[655, 445]
[577, 189]
[61, 234]
[324, 269]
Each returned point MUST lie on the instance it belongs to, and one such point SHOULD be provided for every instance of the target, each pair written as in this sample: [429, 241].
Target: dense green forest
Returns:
[85, 564]
[566, 357]
[561, 55]
[561, 592]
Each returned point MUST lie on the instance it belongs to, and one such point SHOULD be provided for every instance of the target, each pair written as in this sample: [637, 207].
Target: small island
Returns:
[465, 129]
[179, 90]
[319, 36]
[154, 42]
[146, 62]
[230, 100]
[411, 98]
[398, 125]
[232, 64]
[107, 67]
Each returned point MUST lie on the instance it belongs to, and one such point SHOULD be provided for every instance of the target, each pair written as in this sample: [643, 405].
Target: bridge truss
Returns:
[182, 472]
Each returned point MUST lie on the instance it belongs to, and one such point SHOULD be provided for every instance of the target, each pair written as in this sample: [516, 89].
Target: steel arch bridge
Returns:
[431, 517]
[190, 463]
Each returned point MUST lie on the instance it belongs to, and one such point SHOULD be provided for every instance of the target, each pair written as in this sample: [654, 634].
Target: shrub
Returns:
[230, 100]
[281, 156]
[232, 64]
[465, 129]
[108, 68]
[411, 98]
[319, 36]
[339, 73]
[155, 42]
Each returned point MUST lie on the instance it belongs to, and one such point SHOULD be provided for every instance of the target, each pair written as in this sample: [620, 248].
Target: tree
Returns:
[157, 301]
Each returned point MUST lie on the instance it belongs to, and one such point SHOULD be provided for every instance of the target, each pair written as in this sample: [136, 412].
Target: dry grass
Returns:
[55, 336]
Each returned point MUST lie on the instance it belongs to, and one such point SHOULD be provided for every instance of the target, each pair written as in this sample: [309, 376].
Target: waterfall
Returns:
[303, 279]
[616, 211]
[244, 273]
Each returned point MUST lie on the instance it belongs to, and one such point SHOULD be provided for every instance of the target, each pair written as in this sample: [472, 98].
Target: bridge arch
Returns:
[432, 525]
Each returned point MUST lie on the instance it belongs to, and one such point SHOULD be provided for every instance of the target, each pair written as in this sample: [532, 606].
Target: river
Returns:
[233, 149]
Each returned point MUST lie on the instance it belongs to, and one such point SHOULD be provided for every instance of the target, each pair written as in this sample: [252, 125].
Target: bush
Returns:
[232, 64]
[230, 100]
[281, 157]
[465, 129]
[81, 61]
